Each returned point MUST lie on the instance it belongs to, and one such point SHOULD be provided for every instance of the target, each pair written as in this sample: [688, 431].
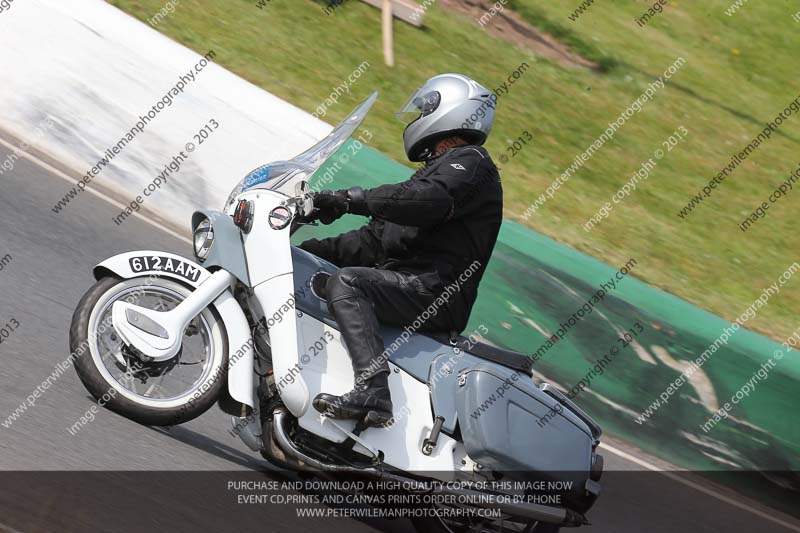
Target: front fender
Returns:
[240, 340]
[149, 262]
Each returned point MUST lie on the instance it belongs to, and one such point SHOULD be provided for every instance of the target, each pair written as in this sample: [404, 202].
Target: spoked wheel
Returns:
[154, 393]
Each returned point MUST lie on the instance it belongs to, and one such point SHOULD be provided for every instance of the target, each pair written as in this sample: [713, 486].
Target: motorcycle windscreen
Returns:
[283, 176]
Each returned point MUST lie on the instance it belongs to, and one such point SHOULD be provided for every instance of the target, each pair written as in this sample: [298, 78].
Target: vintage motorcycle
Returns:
[244, 326]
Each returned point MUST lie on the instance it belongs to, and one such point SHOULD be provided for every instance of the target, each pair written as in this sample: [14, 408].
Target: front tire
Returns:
[156, 394]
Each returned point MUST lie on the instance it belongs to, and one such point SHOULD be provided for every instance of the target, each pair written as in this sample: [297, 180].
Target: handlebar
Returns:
[305, 214]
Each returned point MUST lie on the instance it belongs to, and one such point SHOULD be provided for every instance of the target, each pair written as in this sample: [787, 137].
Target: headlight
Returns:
[203, 239]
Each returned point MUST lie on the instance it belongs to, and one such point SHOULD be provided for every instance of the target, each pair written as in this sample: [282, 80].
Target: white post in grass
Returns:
[388, 38]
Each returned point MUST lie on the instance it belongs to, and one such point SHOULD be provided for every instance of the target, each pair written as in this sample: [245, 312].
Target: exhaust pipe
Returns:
[530, 511]
[309, 464]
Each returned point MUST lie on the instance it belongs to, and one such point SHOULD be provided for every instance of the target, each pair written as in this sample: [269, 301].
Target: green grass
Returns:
[740, 71]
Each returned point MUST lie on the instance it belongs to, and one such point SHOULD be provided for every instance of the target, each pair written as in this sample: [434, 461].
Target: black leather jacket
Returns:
[437, 224]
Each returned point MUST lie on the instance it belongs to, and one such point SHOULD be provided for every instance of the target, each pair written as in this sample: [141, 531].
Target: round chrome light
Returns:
[203, 239]
[279, 218]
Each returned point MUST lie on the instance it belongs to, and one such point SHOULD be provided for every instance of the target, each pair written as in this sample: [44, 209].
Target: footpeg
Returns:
[429, 444]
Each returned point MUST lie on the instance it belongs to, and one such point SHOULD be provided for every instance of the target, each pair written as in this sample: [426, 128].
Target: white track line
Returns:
[629, 457]
[5, 528]
[740, 505]
[604, 446]
[108, 199]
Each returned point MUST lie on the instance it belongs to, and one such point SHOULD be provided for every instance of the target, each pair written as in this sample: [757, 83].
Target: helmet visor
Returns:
[422, 103]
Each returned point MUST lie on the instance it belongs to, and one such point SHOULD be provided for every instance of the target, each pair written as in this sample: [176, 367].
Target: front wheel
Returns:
[162, 393]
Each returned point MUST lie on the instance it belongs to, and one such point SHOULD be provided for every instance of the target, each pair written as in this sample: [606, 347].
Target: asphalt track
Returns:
[85, 482]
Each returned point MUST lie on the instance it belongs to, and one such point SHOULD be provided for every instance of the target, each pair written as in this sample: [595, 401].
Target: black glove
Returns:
[331, 205]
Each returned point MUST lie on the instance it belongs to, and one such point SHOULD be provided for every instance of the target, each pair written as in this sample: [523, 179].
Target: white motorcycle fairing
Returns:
[302, 370]
[325, 366]
[269, 261]
[150, 330]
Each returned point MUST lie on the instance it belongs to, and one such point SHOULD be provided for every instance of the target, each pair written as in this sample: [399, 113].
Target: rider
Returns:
[427, 236]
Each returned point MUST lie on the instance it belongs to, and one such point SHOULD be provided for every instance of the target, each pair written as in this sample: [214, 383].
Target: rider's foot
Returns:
[370, 400]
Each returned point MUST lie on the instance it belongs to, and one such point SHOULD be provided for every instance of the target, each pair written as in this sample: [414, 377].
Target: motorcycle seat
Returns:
[507, 358]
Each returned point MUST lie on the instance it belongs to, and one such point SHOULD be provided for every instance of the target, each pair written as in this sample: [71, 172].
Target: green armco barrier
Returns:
[533, 284]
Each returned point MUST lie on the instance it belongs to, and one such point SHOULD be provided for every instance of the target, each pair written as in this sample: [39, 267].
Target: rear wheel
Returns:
[153, 393]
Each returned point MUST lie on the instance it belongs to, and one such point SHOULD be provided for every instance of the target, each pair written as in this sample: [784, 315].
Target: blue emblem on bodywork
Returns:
[256, 177]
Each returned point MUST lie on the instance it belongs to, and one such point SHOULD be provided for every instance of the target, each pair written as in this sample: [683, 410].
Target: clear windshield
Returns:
[283, 176]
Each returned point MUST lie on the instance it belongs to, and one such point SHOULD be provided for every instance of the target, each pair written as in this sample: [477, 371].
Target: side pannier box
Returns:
[512, 426]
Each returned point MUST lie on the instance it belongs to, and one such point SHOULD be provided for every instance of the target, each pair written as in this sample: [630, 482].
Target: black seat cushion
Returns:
[513, 360]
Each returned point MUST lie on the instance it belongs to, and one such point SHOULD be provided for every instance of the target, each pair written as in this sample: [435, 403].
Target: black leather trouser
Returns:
[360, 298]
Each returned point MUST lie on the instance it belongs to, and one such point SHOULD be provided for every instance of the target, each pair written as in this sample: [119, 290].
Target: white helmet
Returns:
[447, 105]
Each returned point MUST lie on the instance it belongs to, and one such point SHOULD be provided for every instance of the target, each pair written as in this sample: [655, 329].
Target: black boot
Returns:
[370, 401]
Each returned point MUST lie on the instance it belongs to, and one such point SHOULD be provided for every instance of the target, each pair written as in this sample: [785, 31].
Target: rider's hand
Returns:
[331, 205]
